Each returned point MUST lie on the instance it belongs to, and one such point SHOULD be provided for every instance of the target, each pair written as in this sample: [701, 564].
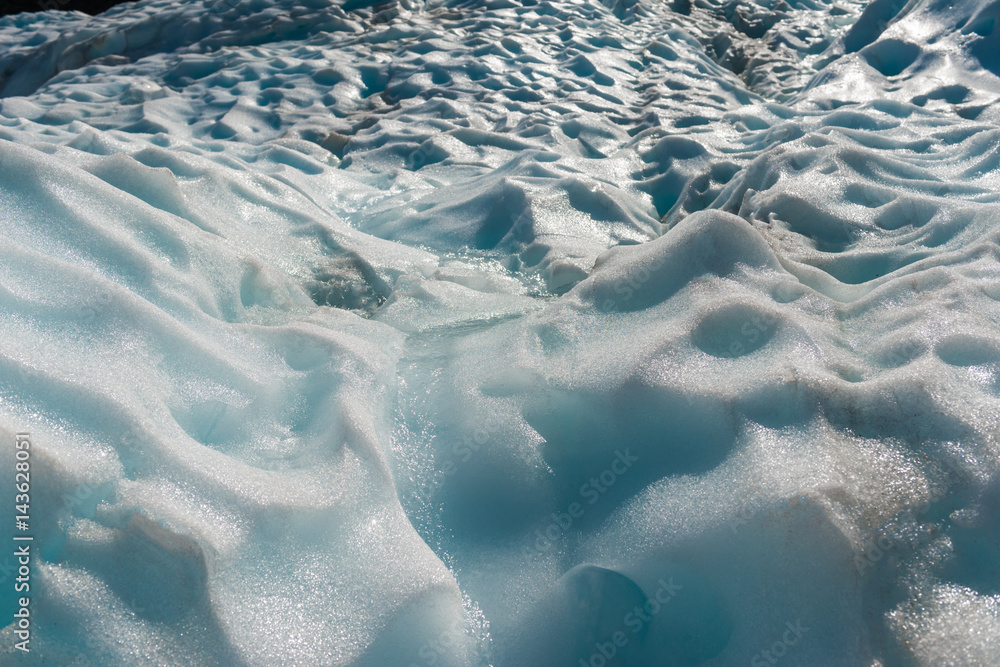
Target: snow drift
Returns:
[504, 332]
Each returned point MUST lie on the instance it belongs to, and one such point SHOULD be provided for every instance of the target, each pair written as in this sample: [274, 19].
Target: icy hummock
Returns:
[504, 332]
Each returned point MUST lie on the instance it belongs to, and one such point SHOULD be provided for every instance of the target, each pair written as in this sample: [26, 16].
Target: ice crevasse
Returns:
[504, 332]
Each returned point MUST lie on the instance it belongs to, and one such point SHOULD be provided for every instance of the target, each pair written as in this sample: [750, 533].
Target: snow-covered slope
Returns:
[510, 332]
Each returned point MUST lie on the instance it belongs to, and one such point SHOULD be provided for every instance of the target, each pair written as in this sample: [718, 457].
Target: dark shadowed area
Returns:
[91, 7]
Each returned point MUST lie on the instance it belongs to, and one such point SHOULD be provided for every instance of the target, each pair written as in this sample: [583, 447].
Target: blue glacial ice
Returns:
[526, 333]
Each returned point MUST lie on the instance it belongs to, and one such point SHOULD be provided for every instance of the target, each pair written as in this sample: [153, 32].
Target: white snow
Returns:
[461, 333]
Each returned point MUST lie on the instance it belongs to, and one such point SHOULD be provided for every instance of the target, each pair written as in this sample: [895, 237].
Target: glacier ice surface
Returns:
[504, 332]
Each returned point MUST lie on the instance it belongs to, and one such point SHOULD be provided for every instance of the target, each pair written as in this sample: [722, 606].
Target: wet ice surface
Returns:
[506, 332]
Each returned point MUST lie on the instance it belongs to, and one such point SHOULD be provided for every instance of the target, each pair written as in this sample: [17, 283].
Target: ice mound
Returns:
[503, 332]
